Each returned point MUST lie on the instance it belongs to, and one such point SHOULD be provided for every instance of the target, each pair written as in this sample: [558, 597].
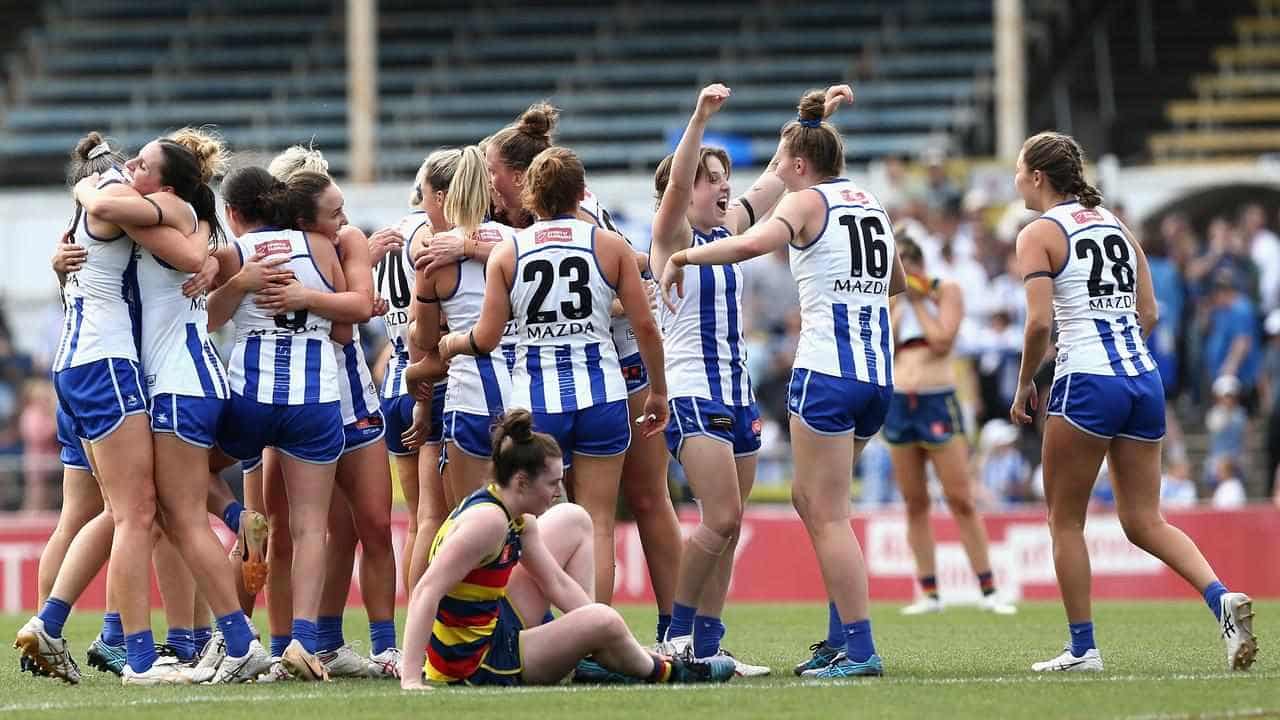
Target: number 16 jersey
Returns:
[1095, 296]
[560, 299]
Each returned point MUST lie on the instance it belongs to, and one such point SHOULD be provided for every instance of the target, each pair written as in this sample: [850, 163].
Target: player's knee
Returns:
[1139, 528]
[576, 519]
[605, 620]
[279, 543]
[711, 540]
[725, 521]
[961, 506]
[917, 504]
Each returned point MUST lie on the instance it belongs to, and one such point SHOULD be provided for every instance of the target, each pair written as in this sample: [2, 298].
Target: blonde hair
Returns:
[207, 146]
[437, 171]
[295, 159]
[467, 202]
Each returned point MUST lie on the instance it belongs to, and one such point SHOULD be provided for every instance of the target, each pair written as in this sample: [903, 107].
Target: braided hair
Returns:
[1061, 160]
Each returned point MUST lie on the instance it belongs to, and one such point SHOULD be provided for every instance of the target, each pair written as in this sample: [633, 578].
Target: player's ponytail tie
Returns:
[809, 123]
[99, 150]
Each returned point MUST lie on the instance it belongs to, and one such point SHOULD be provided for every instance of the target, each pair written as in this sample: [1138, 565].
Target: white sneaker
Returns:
[742, 669]
[677, 647]
[213, 652]
[993, 604]
[49, 653]
[302, 664]
[385, 665]
[255, 662]
[156, 675]
[1091, 661]
[1236, 624]
[275, 673]
[924, 606]
[345, 662]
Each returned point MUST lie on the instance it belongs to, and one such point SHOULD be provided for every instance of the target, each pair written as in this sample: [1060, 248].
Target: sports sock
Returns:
[707, 632]
[328, 633]
[54, 614]
[835, 628]
[1081, 637]
[382, 635]
[929, 585]
[183, 642]
[987, 581]
[858, 643]
[278, 644]
[203, 635]
[231, 515]
[681, 621]
[112, 630]
[661, 670]
[664, 621]
[140, 650]
[306, 633]
[236, 633]
[1213, 597]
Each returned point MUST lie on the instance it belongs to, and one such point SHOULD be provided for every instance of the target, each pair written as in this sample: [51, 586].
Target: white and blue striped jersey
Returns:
[1095, 296]
[565, 357]
[177, 356]
[283, 359]
[101, 319]
[624, 336]
[478, 385]
[357, 393]
[393, 280]
[706, 352]
[843, 275]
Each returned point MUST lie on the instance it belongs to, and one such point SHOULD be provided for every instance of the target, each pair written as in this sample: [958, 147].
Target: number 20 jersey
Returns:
[1094, 296]
[565, 357]
[843, 276]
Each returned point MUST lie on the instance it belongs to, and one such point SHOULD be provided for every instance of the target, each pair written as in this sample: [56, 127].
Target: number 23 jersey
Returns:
[560, 299]
[1095, 296]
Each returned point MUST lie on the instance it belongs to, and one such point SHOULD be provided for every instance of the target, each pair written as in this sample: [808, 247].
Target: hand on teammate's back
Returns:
[382, 242]
[257, 272]
[439, 251]
[68, 257]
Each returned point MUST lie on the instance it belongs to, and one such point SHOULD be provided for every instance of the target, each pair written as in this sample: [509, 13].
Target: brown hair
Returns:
[554, 183]
[516, 447]
[1061, 160]
[813, 139]
[257, 195]
[908, 249]
[662, 176]
[519, 143]
[303, 189]
[86, 162]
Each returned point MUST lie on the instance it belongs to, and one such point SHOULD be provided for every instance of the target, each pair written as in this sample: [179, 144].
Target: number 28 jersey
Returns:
[1095, 296]
[843, 276]
[560, 299]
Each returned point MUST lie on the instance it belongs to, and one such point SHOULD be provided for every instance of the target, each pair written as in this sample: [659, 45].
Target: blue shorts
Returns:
[831, 405]
[1111, 406]
[398, 415]
[312, 433]
[501, 665]
[99, 395]
[193, 419]
[251, 464]
[72, 453]
[634, 373]
[471, 433]
[930, 418]
[739, 427]
[365, 431]
[599, 431]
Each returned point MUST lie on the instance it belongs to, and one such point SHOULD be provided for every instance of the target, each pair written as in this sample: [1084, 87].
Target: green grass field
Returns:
[1163, 660]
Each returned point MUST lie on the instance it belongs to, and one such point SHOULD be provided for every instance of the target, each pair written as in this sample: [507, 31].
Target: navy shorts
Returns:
[470, 433]
[739, 427]
[97, 396]
[931, 418]
[72, 453]
[365, 431]
[1111, 406]
[831, 405]
[312, 433]
[501, 664]
[193, 419]
[634, 373]
[599, 431]
[398, 416]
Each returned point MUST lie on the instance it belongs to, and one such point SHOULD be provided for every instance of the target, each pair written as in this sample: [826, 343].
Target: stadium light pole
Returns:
[1011, 78]
[362, 89]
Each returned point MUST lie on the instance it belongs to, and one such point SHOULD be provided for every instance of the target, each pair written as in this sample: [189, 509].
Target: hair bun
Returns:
[517, 424]
[539, 120]
[812, 104]
[208, 149]
[87, 144]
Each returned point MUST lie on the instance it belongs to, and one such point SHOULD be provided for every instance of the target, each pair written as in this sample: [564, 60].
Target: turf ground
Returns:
[1163, 660]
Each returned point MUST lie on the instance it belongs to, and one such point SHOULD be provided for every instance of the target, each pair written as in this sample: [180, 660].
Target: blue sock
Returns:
[203, 635]
[858, 643]
[681, 621]
[707, 632]
[231, 515]
[307, 635]
[382, 635]
[54, 614]
[1213, 596]
[328, 633]
[278, 644]
[835, 628]
[664, 622]
[112, 630]
[140, 651]
[183, 642]
[237, 635]
[1081, 637]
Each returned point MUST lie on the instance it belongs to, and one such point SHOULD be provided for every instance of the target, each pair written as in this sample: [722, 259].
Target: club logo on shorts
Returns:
[937, 427]
[162, 418]
[756, 426]
[131, 400]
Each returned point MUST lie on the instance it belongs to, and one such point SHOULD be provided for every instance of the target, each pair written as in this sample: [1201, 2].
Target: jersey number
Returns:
[295, 321]
[1116, 250]
[577, 271]
[872, 253]
[398, 285]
